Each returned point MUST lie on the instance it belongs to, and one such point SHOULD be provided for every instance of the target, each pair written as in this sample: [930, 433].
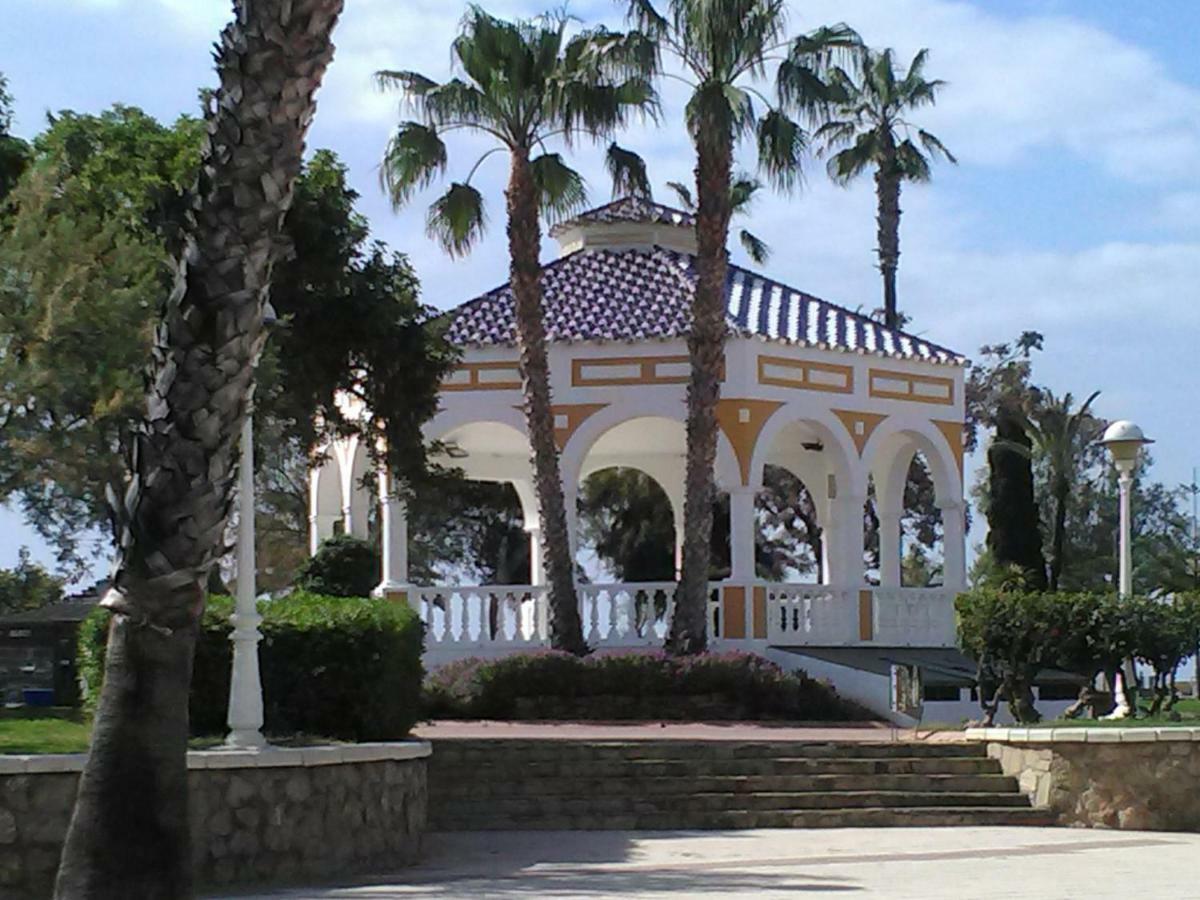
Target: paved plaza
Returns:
[898, 864]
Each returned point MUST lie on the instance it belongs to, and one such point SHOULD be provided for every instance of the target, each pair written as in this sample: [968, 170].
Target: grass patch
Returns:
[47, 735]
[1188, 710]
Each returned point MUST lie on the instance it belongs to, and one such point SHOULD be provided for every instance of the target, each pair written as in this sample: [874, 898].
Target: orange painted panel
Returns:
[733, 613]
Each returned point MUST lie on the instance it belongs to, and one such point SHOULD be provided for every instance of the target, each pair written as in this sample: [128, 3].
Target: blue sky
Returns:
[1075, 209]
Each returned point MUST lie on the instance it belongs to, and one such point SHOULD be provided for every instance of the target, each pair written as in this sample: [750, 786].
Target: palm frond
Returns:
[409, 83]
[561, 191]
[854, 160]
[415, 155]
[742, 191]
[683, 194]
[645, 18]
[781, 144]
[627, 171]
[755, 247]
[934, 145]
[456, 219]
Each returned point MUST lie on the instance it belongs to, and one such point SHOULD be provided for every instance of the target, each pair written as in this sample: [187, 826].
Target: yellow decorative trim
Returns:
[475, 382]
[645, 370]
[803, 377]
[760, 613]
[742, 421]
[733, 613]
[866, 616]
[906, 387]
[953, 432]
[577, 414]
[860, 425]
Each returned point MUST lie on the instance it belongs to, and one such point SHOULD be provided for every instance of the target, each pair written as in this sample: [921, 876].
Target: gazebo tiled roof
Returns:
[628, 209]
[636, 294]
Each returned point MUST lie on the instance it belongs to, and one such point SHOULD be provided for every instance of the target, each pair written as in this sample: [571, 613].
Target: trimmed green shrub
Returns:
[343, 566]
[338, 667]
[635, 685]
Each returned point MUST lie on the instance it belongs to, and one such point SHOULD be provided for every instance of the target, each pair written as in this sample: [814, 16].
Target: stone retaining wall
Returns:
[1127, 778]
[276, 815]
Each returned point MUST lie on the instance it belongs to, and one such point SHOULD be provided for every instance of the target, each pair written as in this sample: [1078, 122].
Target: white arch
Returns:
[324, 499]
[839, 452]
[891, 447]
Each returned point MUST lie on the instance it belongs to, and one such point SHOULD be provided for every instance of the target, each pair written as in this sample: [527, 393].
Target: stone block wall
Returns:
[275, 816]
[1126, 778]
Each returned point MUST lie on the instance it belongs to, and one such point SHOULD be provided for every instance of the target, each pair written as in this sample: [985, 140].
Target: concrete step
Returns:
[541, 807]
[878, 817]
[493, 770]
[480, 790]
[534, 750]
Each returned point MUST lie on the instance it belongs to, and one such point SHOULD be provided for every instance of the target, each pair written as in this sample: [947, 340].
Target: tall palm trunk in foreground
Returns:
[706, 349]
[128, 836]
[524, 247]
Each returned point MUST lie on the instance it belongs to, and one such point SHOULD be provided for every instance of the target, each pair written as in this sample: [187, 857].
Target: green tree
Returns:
[14, 152]
[870, 125]
[723, 47]
[81, 274]
[1061, 436]
[524, 84]
[462, 530]
[129, 834]
[28, 585]
[343, 566]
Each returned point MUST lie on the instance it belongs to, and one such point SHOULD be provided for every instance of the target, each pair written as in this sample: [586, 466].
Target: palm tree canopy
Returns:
[725, 46]
[525, 84]
[869, 119]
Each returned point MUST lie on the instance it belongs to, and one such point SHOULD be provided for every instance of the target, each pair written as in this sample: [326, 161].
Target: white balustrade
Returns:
[812, 614]
[914, 617]
[496, 619]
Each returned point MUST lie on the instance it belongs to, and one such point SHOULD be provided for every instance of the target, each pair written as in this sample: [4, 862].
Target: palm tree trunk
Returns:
[1059, 539]
[128, 836]
[524, 247]
[706, 347]
[887, 190]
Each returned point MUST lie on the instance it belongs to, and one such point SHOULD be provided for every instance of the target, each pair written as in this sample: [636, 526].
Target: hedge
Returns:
[337, 667]
[635, 685]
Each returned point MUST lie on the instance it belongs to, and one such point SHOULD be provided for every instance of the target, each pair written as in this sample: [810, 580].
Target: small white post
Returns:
[245, 685]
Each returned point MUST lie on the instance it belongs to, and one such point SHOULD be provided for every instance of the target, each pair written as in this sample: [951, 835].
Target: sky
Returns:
[1074, 209]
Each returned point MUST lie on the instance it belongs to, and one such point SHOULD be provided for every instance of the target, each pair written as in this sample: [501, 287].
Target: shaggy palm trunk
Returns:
[128, 836]
[887, 190]
[524, 247]
[706, 348]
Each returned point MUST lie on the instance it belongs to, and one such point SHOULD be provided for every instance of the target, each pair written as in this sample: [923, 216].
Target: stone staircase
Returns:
[477, 785]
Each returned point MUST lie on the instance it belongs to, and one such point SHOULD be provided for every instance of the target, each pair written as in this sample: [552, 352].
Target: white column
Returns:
[394, 535]
[742, 534]
[844, 542]
[245, 686]
[954, 544]
[537, 562]
[889, 547]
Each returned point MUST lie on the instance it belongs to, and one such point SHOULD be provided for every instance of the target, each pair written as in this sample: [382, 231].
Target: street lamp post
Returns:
[1124, 441]
[245, 718]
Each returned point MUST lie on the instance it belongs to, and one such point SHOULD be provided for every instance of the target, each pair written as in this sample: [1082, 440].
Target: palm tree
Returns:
[128, 836]
[724, 47]
[525, 84]
[741, 196]
[1061, 436]
[869, 124]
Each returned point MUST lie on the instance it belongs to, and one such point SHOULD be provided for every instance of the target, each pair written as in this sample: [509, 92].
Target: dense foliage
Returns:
[27, 585]
[1016, 634]
[83, 268]
[630, 685]
[346, 668]
[343, 566]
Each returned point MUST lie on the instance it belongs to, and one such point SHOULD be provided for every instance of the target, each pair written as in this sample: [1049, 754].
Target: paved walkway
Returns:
[675, 731]
[896, 864]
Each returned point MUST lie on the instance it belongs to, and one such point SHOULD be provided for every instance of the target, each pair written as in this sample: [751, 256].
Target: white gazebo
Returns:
[830, 395]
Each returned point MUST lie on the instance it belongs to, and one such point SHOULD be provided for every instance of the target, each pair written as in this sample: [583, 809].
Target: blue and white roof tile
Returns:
[646, 294]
